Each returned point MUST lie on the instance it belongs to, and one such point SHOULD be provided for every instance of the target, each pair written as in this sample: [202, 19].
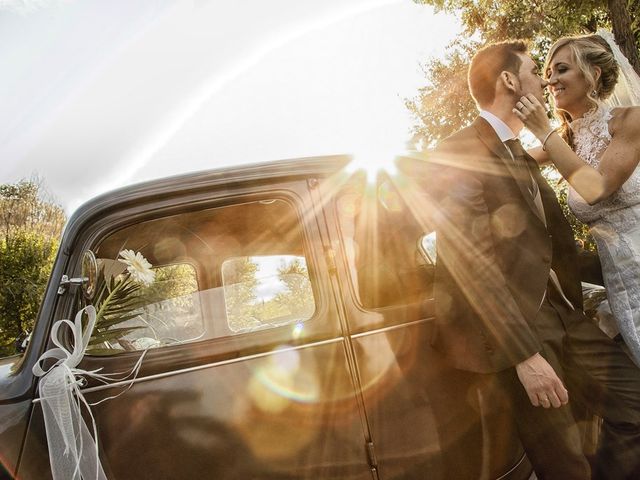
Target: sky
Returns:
[99, 94]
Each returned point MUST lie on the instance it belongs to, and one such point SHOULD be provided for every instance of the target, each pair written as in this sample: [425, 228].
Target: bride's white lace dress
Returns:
[615, 226]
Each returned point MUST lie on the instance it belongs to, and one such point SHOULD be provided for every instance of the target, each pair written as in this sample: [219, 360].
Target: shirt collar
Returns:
[501, 128]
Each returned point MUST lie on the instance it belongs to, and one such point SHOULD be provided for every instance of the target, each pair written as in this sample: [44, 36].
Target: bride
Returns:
[597, 150]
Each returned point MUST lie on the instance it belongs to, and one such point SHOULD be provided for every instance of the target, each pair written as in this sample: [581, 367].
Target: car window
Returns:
[383, 237]
[428, 248]
[266, 291]
[194, 276]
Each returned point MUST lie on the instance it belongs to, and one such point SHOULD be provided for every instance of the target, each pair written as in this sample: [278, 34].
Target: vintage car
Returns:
[286, 327]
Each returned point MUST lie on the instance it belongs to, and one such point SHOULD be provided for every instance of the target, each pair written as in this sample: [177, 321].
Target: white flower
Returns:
[138, 267]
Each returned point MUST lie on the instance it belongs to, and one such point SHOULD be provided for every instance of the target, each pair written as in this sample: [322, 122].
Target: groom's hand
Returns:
[542, 384]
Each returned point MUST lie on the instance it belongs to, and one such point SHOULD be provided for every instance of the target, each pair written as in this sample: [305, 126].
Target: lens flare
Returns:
[280, 380]
[389, 197]
[297, 330]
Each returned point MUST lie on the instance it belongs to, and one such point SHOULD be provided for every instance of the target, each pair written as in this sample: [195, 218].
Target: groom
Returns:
[508, 293]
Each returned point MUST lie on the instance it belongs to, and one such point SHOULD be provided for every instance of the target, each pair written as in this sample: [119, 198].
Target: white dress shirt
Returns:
[501, 128]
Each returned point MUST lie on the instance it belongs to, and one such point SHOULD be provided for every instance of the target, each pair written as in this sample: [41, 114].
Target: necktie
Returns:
[516, 147]
[520, 158]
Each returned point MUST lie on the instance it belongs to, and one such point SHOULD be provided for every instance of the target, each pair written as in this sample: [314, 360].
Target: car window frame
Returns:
[294, 191]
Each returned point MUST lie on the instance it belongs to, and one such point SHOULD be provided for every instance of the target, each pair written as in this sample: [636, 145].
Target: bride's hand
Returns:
[533, 114]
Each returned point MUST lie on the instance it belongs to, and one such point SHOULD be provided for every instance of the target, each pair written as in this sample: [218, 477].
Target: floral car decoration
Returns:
[118, 299]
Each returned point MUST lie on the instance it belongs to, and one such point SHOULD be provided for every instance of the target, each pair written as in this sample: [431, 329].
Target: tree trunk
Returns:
[621, 21]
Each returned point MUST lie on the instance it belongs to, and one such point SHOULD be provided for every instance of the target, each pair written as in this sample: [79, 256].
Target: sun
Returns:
[373, 163]
[378, 148]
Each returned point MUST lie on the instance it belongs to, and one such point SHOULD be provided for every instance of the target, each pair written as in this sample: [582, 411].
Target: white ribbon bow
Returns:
[73, 451]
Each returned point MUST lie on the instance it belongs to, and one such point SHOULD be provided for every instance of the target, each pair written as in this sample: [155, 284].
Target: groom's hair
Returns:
[487, 65]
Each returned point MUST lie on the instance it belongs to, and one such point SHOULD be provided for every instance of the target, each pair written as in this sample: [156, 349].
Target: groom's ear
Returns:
[509, 81]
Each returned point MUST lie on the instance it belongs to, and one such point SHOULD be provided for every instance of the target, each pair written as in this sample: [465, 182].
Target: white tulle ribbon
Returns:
[73, 449]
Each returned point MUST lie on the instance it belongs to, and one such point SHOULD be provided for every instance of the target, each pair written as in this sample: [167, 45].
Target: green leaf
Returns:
[106, 323]
[112, 334]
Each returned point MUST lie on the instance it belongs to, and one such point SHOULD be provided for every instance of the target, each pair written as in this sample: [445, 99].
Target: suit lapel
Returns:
[548, 196]
[488, 136]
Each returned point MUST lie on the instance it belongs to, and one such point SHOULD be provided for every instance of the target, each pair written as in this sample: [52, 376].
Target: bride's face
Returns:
[567, 83]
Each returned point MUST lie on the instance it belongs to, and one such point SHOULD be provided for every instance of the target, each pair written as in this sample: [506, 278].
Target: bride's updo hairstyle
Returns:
[588, 51]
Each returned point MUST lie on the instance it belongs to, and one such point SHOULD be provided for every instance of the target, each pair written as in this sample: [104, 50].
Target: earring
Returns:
[594, 93]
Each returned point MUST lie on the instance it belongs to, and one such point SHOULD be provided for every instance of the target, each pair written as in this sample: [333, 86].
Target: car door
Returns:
[246, 373]
[413, 400]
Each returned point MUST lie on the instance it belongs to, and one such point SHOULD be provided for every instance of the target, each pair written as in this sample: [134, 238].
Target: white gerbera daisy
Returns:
[138, 267]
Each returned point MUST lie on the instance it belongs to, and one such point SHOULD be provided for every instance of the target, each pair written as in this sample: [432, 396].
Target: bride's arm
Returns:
[539, 155]
[616, 165]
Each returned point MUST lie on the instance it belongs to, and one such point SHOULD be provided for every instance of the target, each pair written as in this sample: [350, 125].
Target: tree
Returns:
[172, 282]
[528, 19]
[30, 225]
[444, 105]
[240, 282]
[623, 29]
[580, 230]
[297, 299]
[26, 205]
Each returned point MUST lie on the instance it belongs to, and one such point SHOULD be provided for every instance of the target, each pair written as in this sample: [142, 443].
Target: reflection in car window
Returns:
[428, 244]
[200, 275]
[163, 312]
[266, 291]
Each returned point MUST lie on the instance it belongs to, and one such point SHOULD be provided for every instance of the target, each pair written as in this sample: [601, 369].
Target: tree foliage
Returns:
[27, 206]
[291, 297]
[240, 292]
[172, 282]
[580, 230]
[30, 226]
[297, 298]
[443, 105]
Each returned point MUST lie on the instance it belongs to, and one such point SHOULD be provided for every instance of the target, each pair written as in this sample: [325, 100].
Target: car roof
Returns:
[198, 181]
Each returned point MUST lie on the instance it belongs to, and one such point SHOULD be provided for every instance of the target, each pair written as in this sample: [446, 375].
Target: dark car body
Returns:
[345, 386]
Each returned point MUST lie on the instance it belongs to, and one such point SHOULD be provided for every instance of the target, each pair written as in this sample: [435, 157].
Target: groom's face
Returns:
[530, 80]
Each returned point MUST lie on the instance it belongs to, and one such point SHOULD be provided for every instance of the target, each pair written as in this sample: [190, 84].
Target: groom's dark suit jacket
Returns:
[494, 252]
